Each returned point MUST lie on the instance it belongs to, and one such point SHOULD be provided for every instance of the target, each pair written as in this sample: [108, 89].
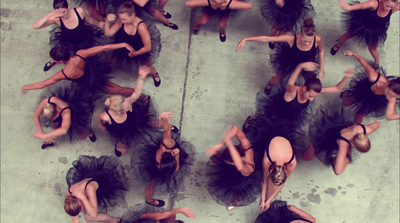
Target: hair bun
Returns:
[308, 22]
[108, 102]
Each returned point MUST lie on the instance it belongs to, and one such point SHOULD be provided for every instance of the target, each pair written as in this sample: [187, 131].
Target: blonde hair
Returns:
[49, 111]
[362, 143]
[71, 205]
[278, 175]
[115, 102]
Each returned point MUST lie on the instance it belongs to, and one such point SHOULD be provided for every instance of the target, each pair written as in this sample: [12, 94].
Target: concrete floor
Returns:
[208, 86]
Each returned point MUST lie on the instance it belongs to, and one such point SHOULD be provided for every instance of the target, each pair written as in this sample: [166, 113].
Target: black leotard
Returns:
[373, 20]
[58, 120]
[300, 56]
[134, 40]
[288, 109]
[227, 6]
[118, 130]
[77, 34]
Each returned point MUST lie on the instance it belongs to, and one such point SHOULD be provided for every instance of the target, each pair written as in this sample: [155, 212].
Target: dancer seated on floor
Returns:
[298, 48]
[80, 37]
[94, 183]
[367, 23]
[128, 28]
[128, 120]
[292, 103]
[335, 139]
[154, 215]
[68, 109]
[93, 76]
[280, 212]
[211, 7]
[286, 16]
[370, 91]
[233, 180]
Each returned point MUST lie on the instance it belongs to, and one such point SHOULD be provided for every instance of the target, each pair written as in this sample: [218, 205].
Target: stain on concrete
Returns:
[63, 160]
[313, 190]
[5, 12]
[295, 195]
[197, 184]
[343, 192]
[180, 196]
[304, 204]
[5, 26]
[316, 186]
[314, 198]
[330, 190]
[57, 187]
[51, 162]
[350, 185]
[339, 187]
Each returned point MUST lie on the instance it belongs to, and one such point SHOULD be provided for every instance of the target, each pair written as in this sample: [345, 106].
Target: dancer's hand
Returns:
[24, 90]
[261, 206]
[55, 15]
[132, 53]
[240, 44]
[349, 73]
[187, 212]
[280, 3]
[309, 66]
[166, 116]
[175, 152]
[144, 71]
[348, 53]
[212, 150]
[101, 25]
[343, 4]
[129, 48]
[111, 17]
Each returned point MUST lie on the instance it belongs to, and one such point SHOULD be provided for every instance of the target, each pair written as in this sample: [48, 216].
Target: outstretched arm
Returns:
[349, 73]
[235, 5]
[51, 18]
[98, 49]
[301, 213]
[245, 170]
[266, 39]
[391, 109]
[157, 216]
[371, 4]
[143, 71]
[372, 127]
[371, 72]
[42, 84]
[196, 3]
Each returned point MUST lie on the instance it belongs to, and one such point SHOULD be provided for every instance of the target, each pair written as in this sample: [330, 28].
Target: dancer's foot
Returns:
[48, 65]
[165, 14]
[171, 25]
[222, 36]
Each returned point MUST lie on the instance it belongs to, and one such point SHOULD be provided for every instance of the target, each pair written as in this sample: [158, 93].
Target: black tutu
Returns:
[284, 62]
[80, 104]
[107, 171]
[290, 17]
[113, 6]
[138, 125]
[365, 26]
[262, 127]
[146, 169]
[133, 214]
[278, 213]
[324, 130]
[275, 107]
[363, 99]
[227, 185]
[122, 61]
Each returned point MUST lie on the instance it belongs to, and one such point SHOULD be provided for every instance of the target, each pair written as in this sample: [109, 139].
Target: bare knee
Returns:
[202, 20]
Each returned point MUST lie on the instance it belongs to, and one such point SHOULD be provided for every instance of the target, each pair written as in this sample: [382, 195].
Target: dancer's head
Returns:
[278, 175]
[393, 89]
[49, 111]
[126, 12]
[60, 53]
[389, 4]
[362, 143]
[60, 4]
[226, 155]
[308, 32]
[115, 103]
[168, 163]
[71, 205]
[312, 88]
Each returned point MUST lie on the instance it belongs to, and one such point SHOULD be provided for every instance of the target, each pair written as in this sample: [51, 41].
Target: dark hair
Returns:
[394, 85]
[226, 155]
[60, 53]
[308, 28]
[71, 205]
[168, 164]
[127, 7]
[313, 84]
[57, 4]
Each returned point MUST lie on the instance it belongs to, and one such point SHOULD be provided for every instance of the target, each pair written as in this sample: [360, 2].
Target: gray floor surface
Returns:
[208, 86]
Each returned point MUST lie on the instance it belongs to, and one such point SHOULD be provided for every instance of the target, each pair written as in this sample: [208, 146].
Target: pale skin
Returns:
[379, 88]
[88, 201]
[168, 141]
[131, 26]
[155, 13]
[302, 214]
[217, 4]
[384, 7]
[280, 152]
[121, 116]
[341, 161]
[75, 66]
[304, 43]
[169, 216]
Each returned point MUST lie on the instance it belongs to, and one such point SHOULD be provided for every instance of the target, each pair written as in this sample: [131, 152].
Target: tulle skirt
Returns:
[133, 214]
[279, 213]
[80, 104]
[324, 130]
[364, 29]
[275, 107]
[147, 171]
[362, 99]
[107, 171]
[227, 185]
[123, 62]
[139, 124]
[290, 17]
